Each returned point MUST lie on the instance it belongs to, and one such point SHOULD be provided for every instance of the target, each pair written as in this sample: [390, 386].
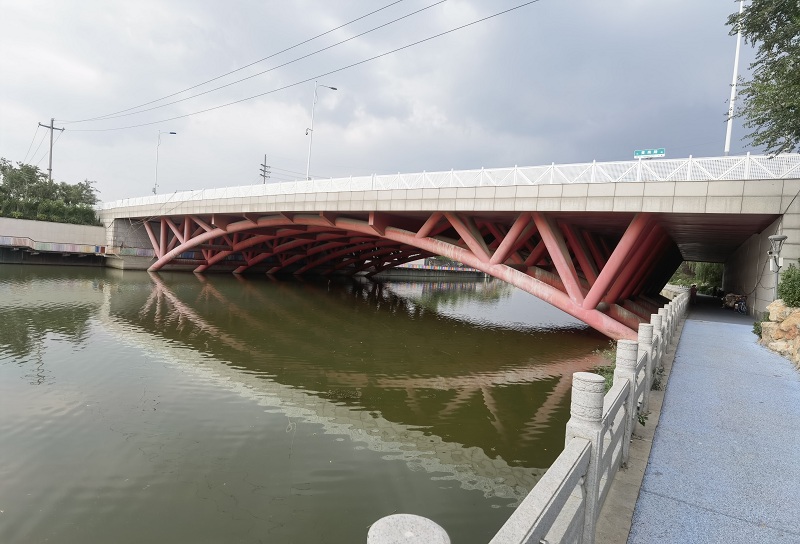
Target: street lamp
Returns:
[310, 131]
[155, 187]
[776, 243]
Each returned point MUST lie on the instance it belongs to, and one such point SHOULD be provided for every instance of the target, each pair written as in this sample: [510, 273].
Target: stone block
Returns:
[575, 190]
[485, 192]
[508, 192]
[686, 204]
[724, 204]
[430, 193]
[691, 188]
[761, 204]
[659, 188]
[599, 203]
[549, 204]
[763, 187]
[465, 204]
[625, 188]
[627, 203]
[573, 204]
[550, 190]
[526, 204]
[465, 192]
[527, 191]
[657, 204]
[601, 189]
[505, 204]
[726, 188]
[448, 192]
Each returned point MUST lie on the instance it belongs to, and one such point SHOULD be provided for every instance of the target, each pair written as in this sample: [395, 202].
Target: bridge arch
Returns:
[599, 275]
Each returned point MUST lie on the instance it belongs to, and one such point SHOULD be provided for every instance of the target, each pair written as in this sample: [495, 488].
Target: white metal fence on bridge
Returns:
[745, 167]
[565, 504]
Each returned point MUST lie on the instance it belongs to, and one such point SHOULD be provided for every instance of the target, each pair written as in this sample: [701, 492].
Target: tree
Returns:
[771, 99]
[26, 193]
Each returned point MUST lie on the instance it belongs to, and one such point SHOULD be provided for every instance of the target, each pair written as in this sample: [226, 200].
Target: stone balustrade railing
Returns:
[565, 504]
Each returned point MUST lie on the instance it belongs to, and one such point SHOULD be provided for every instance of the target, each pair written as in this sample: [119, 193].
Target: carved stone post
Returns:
[646, 347]
[667, 336]
[658, 330]
[626, 369]
[586, 421]
[406, 529]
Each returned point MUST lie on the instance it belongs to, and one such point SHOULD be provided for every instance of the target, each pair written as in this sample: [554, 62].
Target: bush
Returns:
[789, 286]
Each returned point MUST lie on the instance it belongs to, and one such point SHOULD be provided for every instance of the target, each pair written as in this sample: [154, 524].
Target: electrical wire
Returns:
[35, 132]
[238, 69]
[298, 59]
[418, 42]
[54, 144]
[44, 135]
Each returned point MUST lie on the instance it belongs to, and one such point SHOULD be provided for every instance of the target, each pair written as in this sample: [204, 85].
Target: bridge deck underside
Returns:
[602, 268]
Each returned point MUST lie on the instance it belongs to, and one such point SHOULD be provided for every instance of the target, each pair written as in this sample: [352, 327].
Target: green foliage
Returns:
[789, 286]
[757, 323]
[26, 193]
[607, 371]
[771, 99]
[706, 276]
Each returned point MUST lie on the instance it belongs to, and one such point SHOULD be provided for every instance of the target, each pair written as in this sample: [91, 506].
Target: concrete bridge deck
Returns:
[724, 465]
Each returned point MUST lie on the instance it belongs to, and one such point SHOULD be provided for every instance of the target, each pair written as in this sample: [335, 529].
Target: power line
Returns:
[298, 59]
[50, 170]
[35, 132]
[239, 69]
[44, 135]
[318, 76]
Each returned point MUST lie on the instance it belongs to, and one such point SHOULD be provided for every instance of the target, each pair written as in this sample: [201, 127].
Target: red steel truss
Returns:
[595, 267]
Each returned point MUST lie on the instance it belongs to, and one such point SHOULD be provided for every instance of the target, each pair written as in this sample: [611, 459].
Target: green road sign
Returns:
[650, 153]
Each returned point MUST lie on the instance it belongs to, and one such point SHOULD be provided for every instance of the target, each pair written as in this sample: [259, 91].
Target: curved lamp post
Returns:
[155, 187]
[776, 243]
[310, 131]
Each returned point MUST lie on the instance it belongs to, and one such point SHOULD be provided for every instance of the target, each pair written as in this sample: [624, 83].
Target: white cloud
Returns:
[554, 81]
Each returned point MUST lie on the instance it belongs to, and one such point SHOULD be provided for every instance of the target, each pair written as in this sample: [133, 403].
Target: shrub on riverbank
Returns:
[26, 193]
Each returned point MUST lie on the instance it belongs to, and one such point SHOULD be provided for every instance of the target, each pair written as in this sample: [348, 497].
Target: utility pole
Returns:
[732, 102]
[52, 128]
[265, 170]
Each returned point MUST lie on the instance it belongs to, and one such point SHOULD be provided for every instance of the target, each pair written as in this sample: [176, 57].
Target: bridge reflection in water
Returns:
[485, 407]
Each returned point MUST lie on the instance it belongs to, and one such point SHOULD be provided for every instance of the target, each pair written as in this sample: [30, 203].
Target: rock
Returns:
[791, 321]
[781, 347]
[770, 332]
[778, 311]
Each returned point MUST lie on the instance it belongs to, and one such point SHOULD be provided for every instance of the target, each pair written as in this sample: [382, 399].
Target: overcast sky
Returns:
[556, 81]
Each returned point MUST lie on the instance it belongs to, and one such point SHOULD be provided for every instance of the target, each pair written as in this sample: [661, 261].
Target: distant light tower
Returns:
[310, 131]
[155, 187]
[732, 101]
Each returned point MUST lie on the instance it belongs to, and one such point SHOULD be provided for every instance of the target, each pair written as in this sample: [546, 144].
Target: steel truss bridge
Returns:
[597, 240]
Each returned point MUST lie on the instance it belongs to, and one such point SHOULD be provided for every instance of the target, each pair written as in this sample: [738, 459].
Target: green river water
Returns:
[180, 408]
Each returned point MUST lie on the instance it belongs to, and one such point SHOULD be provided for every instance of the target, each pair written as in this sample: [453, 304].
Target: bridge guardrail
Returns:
[565, 504]
[744, 167]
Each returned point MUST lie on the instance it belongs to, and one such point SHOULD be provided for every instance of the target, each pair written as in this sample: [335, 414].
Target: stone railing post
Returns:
[626, 369]
[667, 336]
[406, 529]
[586, 421]
[646, 347]
[658, 330]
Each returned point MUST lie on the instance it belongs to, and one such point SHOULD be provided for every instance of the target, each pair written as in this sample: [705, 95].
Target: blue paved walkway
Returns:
[725, 463]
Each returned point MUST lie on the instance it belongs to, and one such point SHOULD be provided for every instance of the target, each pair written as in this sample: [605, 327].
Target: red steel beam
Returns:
[581, 253]
[638, 255]
[557, 248]
[616, 261]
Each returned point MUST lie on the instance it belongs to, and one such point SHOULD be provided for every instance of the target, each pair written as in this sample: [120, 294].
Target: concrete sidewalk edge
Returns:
[616, 517]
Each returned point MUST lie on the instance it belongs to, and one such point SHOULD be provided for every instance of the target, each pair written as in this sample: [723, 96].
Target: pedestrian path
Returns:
[725, 459]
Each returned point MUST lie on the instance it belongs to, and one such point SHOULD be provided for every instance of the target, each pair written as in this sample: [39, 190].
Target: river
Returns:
[181, 408]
